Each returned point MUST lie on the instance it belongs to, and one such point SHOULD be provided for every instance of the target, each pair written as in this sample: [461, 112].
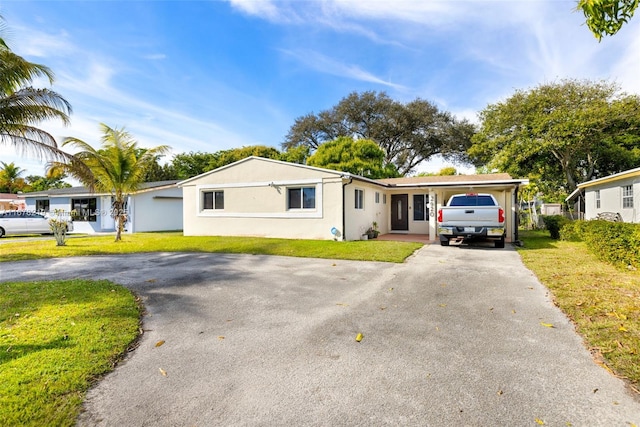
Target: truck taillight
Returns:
[439, 215]
[500, 215]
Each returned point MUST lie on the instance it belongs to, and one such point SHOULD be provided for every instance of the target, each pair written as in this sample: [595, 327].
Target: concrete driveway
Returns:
[452, 337]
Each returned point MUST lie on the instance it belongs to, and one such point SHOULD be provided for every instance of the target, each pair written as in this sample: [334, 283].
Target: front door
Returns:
[400, 212]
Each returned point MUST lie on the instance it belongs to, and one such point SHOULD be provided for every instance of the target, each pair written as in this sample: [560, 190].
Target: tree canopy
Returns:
[361, 157]
[11, 180]
[560, 134]
[187, 165]
[606, 17]
[407, 133]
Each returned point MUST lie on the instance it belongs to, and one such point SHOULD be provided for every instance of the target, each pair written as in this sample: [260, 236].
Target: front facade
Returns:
[156, 206]
[270, 198]
[617, 194]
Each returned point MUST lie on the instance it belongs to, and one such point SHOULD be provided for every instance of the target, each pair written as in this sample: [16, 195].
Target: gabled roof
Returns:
[611, 178]
[84, 191]
[346, 175]
[416, 181]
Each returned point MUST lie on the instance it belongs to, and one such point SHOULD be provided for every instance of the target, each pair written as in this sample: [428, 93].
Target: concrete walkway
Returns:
[453, 337]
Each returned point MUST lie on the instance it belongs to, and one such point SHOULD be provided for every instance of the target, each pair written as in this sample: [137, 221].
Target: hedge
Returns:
[615, 242]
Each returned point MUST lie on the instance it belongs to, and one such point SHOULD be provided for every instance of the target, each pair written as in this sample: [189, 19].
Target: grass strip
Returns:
[56, 338]
[369, 250]
[601, 299]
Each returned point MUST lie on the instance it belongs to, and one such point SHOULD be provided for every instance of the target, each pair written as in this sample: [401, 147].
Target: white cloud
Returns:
[324, 64]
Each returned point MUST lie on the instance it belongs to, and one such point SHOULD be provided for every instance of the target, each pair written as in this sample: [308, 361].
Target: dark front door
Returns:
[400, 212]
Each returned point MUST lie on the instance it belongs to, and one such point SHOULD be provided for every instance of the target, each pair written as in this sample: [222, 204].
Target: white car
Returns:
[26, 222]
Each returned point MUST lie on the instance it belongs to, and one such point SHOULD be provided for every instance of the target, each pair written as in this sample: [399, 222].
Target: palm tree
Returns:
[10, 179]
[22, 107]
[118, 167]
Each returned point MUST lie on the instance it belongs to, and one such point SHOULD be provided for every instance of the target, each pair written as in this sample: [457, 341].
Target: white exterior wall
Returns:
[611, 199]
[255, 202]
[358, 221]
[156, 210]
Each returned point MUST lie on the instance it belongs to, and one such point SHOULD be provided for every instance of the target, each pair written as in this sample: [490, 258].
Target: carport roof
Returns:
[454, 180]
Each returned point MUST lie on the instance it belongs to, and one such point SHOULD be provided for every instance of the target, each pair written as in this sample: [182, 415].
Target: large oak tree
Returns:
[407, 133]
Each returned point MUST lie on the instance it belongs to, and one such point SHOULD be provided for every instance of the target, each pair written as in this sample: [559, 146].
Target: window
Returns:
[301, 198]
[84, 209]
[377, 197]
[420, 210]
[472, 200]
[359, 203]
[42, 205]
[384, 199]
[597, 199]
[213, 200]
[627, 196]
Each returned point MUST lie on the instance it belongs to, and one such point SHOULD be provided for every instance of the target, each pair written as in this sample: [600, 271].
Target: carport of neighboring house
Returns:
[270, 198]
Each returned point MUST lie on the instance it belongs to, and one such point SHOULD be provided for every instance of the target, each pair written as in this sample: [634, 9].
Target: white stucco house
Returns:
[155, 206]
[270, 198]
[614, 194]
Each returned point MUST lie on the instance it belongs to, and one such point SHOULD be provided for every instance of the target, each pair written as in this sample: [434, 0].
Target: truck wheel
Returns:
[499, 243]
[1, 231]
[444, 241]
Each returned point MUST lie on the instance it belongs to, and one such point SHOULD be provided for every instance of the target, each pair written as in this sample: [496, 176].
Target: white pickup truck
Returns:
[471, 216]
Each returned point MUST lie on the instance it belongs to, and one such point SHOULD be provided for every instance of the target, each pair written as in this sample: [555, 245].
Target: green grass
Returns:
[56, 338]
[369, 250]
[602, 300]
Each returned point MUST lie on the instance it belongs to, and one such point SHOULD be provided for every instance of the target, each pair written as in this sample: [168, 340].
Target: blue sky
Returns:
[212, 75]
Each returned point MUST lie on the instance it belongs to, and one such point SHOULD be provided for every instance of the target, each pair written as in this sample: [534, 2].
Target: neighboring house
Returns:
[270, 198]
[156, 206]
[616, 194]
[11, 202]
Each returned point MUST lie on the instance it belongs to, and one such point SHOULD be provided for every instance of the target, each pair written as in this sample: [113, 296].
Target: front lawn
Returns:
[56, 339]
[368, 250]
[600, 299]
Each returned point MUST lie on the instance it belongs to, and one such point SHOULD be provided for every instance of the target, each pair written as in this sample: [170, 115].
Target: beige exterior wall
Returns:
[255, 202]
[374, 209]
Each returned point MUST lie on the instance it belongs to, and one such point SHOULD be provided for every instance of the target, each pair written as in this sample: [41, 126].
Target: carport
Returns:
[440, 188]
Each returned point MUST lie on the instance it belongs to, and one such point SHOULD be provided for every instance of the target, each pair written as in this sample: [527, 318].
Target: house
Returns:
[10, 202]
[155, 206]
[614, 195]
[270, 198]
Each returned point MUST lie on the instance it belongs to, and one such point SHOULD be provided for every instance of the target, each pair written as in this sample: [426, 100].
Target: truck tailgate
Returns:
[471, 216]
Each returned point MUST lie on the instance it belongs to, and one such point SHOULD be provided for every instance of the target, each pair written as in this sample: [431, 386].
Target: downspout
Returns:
[517, 219]
[344, 212]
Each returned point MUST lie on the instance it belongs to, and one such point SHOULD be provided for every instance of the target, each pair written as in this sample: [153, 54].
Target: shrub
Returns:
[614, 242]
[553, 223]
